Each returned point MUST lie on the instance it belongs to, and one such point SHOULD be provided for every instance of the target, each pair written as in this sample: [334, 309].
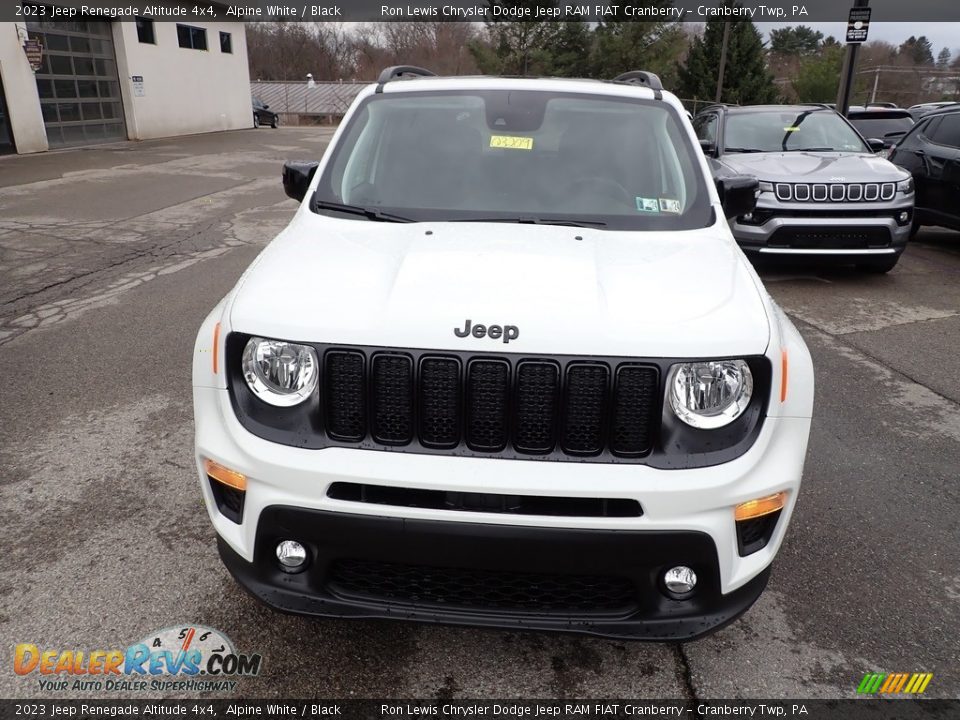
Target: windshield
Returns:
[882, 126]
[516, 156]
[790, 130]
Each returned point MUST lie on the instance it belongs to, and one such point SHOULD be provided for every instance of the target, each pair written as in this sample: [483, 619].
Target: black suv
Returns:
[931, 153]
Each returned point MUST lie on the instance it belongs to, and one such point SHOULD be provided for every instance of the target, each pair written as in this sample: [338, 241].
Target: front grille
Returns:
[346, 401]
[835, 192]
[830, 238]
[490, 405]
[473, 589]
[586, 395]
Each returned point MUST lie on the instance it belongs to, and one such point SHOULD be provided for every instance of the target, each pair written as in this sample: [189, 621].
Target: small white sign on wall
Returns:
[138, 90]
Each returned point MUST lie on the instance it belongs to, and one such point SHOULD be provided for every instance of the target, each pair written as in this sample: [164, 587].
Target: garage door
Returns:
[78, 85]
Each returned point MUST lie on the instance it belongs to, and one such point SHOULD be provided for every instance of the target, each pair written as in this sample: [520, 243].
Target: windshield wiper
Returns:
[813, 149]
[742, 150]
[528, 220]
[369, 213]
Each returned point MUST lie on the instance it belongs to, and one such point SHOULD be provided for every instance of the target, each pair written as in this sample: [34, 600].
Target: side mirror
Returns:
[297, 175]
[265, 107]
[876, 144]
[738, 194]
[709, 147]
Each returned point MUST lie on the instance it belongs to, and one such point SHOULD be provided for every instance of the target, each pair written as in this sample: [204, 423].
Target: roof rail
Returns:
[644, 78]
[398, 71]
[825, 106]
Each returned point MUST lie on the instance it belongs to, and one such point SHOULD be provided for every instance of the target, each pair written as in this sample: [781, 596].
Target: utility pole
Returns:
[876, 81]
[723, 60]
[849, 68]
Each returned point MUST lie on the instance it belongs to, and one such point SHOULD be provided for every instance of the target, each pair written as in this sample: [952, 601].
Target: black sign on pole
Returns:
[858, 24]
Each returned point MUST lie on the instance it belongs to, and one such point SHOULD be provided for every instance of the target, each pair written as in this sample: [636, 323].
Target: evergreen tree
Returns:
[818, 76]
[533, 47]
[943, 58]
[746, 79]
[918, 50]
[800, 40]
[620, 46]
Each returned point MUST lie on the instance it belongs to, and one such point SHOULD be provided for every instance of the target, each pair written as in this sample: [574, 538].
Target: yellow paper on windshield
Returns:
[511, 142]
[793, 128]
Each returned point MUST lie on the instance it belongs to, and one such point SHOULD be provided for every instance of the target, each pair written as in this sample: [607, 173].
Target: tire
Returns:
[879, 266]
[914, 228]
[275, 122]
[256, 120]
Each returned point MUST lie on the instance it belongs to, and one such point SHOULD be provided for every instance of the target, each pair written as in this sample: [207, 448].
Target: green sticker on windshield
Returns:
[648, 205]
[792, 128]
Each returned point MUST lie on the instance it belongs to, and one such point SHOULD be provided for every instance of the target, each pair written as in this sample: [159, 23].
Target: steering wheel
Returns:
[598, 185]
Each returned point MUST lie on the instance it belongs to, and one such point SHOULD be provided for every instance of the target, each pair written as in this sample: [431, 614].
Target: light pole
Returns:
[723, 59]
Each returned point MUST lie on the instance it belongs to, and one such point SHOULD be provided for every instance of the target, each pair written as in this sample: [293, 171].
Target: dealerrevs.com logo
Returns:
[189, 658]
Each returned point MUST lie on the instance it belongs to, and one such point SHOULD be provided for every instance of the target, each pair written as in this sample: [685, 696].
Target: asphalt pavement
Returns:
[109, 259]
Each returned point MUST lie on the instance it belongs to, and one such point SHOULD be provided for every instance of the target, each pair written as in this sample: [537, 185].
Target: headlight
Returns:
[766, 186]
[905, 186]
[280, 373]
[710, 394]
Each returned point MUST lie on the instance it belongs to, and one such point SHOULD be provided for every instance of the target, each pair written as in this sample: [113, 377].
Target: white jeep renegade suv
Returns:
[506, 366]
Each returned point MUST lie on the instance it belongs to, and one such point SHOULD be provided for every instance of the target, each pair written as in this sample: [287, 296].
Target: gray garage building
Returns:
[101, 81]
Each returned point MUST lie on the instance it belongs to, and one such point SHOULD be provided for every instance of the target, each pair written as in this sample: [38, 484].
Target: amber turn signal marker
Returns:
[225, 476]
[783, 375]
[760, 506]
[216, 348]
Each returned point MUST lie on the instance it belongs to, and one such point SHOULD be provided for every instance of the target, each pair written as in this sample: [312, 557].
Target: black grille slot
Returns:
[755, 533]
[834, 238]
[538, 395]
[634, 410]
[345, 395]
[484, 502]
[392, 399]
[229, 500]
[488, 394]
[440, 402]
[478, 589]
[585, 397]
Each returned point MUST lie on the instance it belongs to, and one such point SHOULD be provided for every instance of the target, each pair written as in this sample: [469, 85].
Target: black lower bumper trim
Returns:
[598, 582]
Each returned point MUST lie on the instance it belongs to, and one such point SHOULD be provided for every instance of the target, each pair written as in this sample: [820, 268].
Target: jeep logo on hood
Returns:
[495, 332]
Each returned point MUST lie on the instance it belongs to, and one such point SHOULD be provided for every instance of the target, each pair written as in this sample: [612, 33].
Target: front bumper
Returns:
[600, 582]
[845, 231]
[687, 518]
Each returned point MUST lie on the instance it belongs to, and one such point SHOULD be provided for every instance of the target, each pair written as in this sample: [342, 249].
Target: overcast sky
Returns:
[940, 35]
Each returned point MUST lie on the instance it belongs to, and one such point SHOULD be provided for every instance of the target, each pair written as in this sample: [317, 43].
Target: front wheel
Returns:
[256, 121]
[879, 266]
[914, 228]
[275, 122]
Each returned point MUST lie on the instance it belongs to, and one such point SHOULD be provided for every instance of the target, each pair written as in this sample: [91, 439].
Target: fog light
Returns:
[292, 555]
[748, 217]
[680, 579]
[903, 217]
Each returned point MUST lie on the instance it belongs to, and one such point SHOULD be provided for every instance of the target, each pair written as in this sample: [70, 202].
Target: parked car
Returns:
[262, 115]
[824, 194]
[918, 111]
[930, 152]
[505, 367]
[886, 124]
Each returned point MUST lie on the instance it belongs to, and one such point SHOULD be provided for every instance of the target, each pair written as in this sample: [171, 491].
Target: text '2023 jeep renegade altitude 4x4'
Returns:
[506, 366]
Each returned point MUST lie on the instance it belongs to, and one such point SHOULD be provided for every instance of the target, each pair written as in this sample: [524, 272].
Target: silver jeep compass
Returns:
[823, 191]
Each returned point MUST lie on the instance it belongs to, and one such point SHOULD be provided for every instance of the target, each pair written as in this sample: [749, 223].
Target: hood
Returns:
[821, 167]
[565, 290]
